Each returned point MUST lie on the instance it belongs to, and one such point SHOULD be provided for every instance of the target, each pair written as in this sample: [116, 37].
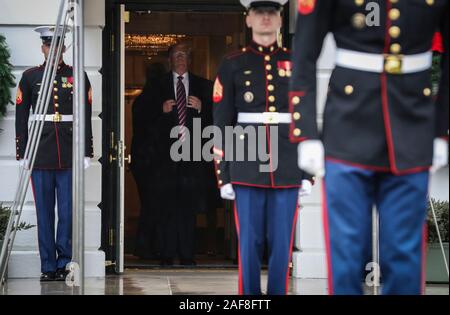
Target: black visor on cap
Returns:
[47, 40]
[265, 4]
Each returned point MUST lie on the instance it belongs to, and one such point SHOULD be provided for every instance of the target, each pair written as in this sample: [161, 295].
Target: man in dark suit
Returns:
[182, 184]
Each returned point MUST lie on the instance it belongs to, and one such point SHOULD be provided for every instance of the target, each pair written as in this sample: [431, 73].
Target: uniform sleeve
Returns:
[224, 114]
[89, 145]
[442, 103]
[23, 106]
[313, 24]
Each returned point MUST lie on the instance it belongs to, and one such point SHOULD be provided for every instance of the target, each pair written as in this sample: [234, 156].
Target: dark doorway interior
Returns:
[211, 35]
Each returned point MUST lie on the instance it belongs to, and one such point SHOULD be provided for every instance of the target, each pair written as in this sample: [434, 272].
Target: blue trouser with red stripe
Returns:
[401, 201]
[265, 214]
[49, 185]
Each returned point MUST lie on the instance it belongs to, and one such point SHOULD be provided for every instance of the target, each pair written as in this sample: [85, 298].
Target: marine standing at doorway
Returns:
[52, 173]
[251, 91]
[380, 125]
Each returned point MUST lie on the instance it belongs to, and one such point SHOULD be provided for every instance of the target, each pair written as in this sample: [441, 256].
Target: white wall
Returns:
[18, 18]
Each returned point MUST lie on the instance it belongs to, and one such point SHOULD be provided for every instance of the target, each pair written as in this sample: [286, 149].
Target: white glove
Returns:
[311, 157]
[24, 163]
[440, 156]
[87, 163]
[306, 189]
[227, 192]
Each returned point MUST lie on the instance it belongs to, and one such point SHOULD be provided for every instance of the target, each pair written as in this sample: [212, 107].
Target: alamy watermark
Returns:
[373, 16]
[233, 143]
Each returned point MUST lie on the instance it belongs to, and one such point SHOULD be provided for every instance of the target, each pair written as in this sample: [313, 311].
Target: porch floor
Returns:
[171, 282]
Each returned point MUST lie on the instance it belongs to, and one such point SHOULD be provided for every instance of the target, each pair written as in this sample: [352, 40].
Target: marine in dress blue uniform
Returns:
[251, 91]
[52, 174]
[380, 124]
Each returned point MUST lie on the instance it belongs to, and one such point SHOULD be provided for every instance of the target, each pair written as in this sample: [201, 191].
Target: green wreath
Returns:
[7, 80]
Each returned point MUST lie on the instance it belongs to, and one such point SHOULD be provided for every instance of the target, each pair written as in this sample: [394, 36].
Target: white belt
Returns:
[264, 118]
[378, 63]
[53, 118]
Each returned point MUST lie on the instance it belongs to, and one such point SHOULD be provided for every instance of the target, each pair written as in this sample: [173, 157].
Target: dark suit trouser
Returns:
[179, 219]
[148, 240]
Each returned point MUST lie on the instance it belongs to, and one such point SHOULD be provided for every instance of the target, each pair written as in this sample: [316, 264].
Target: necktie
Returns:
[181, 107]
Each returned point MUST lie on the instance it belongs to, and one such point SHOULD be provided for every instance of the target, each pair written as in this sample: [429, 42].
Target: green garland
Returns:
[441, 209]
[6, 77]
[4, 219]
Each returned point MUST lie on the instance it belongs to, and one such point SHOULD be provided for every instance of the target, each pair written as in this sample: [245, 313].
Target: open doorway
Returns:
[148, 35]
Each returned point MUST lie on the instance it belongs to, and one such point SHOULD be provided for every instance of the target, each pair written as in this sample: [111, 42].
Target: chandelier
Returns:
[158, 42]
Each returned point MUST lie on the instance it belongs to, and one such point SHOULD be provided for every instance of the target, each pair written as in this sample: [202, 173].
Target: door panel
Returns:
[113, 121]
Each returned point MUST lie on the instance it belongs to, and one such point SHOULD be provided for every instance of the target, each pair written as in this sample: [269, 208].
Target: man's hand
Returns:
[306, 189]
[195, 102]
[168, 106]
[227, 192]
[311, 157]
[440, 156]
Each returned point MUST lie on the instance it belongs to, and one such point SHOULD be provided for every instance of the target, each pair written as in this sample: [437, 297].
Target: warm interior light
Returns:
[158, 42]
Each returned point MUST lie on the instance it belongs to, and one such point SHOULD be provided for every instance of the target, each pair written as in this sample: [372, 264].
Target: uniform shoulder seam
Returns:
[235, 54]
[31, 70]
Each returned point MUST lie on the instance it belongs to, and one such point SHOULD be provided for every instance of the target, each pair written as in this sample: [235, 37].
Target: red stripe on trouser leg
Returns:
[240, 284]
[327, 238]
[291, 246]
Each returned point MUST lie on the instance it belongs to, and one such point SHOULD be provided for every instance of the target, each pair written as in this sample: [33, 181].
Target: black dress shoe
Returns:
[61, 274]
[47, 276]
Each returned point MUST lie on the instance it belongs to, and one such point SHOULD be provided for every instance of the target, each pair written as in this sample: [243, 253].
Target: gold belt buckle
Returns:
[393, 64]
[57, 117]
[271, 118]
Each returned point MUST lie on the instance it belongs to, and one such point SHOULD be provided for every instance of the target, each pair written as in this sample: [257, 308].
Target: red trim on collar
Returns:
[266, 49]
